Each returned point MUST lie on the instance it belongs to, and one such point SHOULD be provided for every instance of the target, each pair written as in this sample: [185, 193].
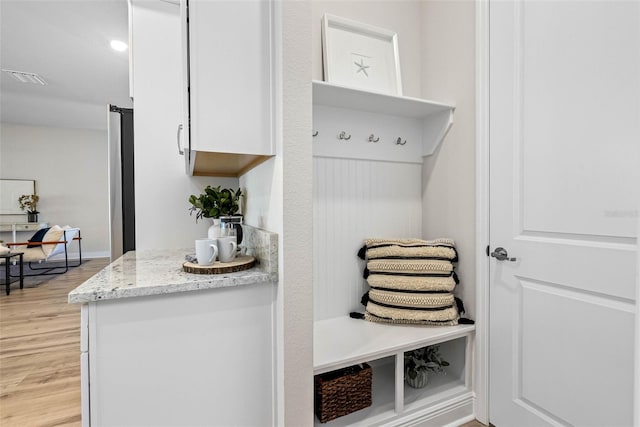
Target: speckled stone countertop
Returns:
[156, 272]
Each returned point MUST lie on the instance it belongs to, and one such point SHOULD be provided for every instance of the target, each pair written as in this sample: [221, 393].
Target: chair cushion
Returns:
[33, 254]
[38, 237]
[54, 234]
[68, 234]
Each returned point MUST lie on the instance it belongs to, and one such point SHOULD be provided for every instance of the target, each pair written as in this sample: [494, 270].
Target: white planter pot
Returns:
[214, 231]
[420, 381]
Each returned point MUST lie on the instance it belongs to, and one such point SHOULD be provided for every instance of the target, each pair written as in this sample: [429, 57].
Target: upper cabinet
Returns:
[228, 86]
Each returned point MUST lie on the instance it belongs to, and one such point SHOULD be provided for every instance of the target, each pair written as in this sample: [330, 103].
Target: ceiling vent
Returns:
[24, 77]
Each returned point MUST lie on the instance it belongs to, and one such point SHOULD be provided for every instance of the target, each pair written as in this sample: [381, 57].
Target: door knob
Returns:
[501, 254]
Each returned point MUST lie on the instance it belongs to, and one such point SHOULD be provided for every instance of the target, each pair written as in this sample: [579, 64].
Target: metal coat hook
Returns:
[343, 135]
[372, 138]
[399, 141]
[315, 133]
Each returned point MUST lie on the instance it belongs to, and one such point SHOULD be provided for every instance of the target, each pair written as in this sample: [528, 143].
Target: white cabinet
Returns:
[191, 358]
[369, 184]
[228, 79]
[25, 228]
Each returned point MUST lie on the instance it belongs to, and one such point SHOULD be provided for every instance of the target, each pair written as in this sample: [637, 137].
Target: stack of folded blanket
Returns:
[411, 282]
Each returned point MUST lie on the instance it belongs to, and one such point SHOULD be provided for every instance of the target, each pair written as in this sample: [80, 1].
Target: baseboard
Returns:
[85, 255]
[451, 413]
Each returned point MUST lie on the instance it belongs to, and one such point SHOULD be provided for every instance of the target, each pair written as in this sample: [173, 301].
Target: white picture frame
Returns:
[360, 55]
[10, 191]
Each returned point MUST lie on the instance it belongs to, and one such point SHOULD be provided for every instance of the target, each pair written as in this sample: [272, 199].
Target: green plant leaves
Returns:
[424, 359]
[215, 202]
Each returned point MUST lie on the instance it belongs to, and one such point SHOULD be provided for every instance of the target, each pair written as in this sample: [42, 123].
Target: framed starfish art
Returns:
[360, 55]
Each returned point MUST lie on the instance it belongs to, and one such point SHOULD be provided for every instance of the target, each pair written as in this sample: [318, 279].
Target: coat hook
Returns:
[315, 133]
[372, 138]
[399, 141]
[343, 135]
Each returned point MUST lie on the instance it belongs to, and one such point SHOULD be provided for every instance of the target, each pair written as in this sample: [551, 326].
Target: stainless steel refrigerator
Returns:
[121, 181]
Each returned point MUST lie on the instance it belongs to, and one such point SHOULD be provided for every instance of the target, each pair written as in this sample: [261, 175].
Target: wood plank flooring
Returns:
[40, 350]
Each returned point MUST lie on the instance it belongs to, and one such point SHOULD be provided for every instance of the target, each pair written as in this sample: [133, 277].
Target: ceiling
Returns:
[66, 43]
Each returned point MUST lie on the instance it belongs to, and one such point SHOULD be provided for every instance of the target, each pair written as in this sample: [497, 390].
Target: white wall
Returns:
[279, 200]
[448, 75]
[70, 169]
[161, 184]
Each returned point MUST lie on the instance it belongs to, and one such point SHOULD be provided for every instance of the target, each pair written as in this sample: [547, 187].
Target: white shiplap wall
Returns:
[354, 200]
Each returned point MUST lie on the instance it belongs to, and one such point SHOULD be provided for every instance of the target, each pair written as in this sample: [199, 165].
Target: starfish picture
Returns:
[362, 67]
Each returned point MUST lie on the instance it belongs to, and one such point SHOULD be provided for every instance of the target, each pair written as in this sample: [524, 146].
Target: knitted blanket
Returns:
[419, 267]
[411, 299]
[443, 249]
[413, 283]
[410, 282]
[373, 318]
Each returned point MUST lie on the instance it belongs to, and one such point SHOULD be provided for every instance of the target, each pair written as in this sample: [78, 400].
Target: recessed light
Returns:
[24, 77]
[118, 45]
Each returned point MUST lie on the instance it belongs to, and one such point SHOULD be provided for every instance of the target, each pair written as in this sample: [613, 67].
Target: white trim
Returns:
[452, 412]
[85, 255]
[636, 403]
[481, 365]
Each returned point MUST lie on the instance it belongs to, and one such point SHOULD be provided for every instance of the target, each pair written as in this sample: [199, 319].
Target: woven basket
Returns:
[342, 392]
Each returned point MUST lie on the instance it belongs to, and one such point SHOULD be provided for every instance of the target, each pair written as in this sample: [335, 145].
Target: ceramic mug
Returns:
[227, 248]
[206, 251]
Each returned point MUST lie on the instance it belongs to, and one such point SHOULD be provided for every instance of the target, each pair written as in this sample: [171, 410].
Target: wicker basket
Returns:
[342, 392]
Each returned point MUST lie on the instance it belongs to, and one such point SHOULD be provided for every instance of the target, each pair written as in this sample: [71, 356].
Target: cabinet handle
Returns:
[180, 150]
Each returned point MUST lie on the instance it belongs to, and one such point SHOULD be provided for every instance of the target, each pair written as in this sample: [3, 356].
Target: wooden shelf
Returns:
[205, 163]
[419, 125]
[332, 95]
[343, 341]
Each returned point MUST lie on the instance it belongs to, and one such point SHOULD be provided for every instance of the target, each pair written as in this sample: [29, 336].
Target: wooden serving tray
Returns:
[241, 263]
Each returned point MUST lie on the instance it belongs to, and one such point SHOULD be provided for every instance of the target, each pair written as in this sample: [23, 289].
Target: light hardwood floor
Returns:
[40, 350]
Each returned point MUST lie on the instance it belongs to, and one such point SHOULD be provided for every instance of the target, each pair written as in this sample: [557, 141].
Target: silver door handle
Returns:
[501, 254]
[180, 150]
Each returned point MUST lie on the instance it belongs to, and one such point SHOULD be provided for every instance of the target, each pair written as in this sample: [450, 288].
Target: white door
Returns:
[564, 138]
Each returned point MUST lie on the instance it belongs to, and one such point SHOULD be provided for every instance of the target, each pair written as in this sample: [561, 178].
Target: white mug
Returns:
[227, 248]
[206, 251]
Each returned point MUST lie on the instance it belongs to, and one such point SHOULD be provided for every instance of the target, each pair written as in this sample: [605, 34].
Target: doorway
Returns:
[122, 198]
[561, 116]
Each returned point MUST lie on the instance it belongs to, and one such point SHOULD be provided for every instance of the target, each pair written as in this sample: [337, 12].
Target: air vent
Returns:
[24, 77]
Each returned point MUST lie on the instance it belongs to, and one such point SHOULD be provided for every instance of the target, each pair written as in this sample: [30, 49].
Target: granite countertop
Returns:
[155, 272]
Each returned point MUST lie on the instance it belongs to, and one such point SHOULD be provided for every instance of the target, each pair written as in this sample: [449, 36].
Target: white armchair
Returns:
[57, 240]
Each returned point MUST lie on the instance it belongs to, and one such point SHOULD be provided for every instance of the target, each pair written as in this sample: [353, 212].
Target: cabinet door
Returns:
[230, 76]
[184, 141]
[197, 358]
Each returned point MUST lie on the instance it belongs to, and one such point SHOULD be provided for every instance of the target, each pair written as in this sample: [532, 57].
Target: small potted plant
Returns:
[418, 363]
[214, 203]
[29, 203]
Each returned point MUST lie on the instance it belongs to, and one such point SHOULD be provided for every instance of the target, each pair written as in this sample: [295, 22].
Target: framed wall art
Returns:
[360, 55]
[10, 191]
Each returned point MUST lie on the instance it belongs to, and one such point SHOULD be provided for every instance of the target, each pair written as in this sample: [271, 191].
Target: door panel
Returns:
[576, 82]
[564, 348]
[564, 132]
